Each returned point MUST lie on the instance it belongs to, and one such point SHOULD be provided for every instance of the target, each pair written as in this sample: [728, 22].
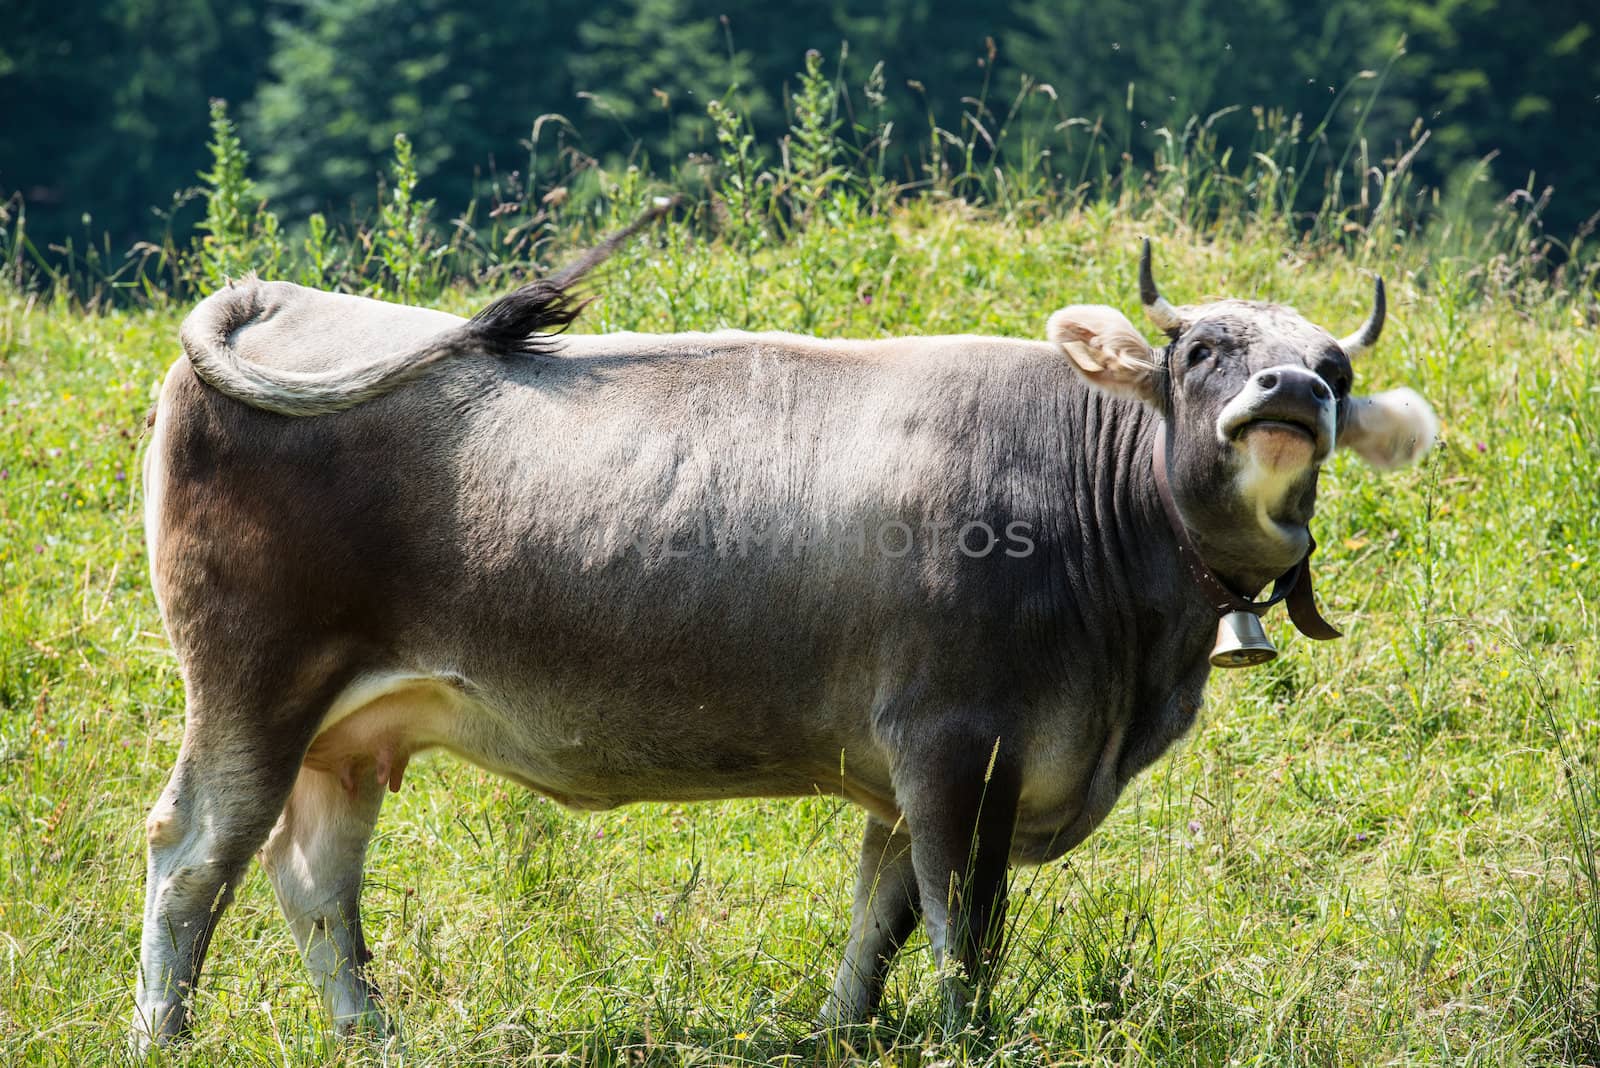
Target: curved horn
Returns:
[1155, 305]
[1360, 342]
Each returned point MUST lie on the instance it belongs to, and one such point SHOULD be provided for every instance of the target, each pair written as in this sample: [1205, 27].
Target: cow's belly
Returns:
[579, 755]
[586, 750]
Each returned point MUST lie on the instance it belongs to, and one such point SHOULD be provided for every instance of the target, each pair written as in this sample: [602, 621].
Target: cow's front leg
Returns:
[959, 794]
[883, 913]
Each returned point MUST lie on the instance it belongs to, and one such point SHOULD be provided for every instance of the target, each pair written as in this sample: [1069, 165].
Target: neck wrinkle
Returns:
[1112, 464]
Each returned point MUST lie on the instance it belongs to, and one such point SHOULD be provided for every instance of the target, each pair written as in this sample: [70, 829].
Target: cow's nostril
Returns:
[1267, 380]
[1319, 389]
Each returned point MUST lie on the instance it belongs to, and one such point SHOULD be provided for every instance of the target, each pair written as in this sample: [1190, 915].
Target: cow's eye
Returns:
[1199, 354]
[1336, 376]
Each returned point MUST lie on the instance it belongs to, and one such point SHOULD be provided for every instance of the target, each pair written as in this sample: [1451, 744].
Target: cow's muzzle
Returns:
[1286, 401]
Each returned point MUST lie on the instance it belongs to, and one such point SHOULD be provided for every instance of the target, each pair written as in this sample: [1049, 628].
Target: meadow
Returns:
[1380, 850]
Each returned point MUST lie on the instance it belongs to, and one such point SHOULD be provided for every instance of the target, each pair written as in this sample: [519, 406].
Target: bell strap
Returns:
[1302, 604]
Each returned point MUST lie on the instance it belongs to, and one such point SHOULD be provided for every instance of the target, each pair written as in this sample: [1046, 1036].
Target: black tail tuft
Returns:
[526, 321]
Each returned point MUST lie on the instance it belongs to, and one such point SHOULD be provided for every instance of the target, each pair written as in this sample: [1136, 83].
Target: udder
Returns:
[376, 728]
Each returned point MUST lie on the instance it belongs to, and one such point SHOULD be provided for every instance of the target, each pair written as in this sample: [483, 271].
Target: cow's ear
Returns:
[1106, 350]
[1389, 430]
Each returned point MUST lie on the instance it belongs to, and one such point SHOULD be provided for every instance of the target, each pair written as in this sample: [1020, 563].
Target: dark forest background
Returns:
[105, 101]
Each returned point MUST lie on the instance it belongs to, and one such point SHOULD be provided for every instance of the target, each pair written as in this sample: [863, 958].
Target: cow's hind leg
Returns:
[314, 857]
[225, 793]
[882, 915]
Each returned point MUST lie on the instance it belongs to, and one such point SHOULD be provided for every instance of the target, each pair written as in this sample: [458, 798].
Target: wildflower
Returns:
[1361, 836]
[660, 918]
[1482, 447]
[1194, 826]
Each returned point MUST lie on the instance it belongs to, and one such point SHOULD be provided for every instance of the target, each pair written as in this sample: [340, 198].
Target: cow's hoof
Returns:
[966, 1012]
[374, 1030]
[156, 1026]
[839, 1013]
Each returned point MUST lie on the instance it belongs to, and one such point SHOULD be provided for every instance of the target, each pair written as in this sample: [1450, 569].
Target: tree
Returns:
[1194, 57]
[106, 105]
[648, 69]
[465, 82]
[106, 101]
[1517, 79]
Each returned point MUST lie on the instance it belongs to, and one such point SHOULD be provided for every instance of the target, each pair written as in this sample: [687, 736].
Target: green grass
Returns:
[1374, 851]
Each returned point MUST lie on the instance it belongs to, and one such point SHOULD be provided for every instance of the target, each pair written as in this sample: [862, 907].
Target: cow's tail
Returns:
[520, 322]
[523, 322]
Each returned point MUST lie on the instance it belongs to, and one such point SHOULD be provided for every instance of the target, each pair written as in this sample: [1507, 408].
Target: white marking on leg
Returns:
[201, 836]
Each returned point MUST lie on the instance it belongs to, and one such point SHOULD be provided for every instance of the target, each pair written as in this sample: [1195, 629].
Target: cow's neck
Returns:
[1129, 575]
[1250, 563]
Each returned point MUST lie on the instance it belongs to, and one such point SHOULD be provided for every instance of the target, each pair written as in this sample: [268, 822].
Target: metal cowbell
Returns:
[1241, 642]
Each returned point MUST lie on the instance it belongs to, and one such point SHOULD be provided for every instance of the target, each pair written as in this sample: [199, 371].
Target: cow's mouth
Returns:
[1275, 426]
[1280, 442]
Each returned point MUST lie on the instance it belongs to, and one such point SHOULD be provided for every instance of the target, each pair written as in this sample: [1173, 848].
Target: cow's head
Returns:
[1255, 399]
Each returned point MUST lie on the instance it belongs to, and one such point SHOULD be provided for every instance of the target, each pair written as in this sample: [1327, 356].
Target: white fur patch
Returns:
[1264, 486]
[1269, 469]
[1390, 430]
